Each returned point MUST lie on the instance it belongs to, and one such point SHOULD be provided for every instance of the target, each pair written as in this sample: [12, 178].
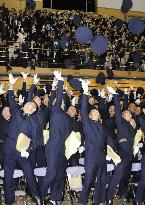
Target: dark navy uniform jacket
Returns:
[96, 137]
[59, 130]
[126, 132]
[21, 123]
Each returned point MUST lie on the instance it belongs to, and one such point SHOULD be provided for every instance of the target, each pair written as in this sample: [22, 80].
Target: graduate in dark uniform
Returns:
[55, 147]
[139, 195]
[19, 124]
[126, 136]
[96, 139]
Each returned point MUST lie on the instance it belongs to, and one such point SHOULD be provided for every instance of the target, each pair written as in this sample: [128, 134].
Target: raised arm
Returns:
[84, 101]
[33, 88]
[59, 94]
[24, 86]
[11, 98]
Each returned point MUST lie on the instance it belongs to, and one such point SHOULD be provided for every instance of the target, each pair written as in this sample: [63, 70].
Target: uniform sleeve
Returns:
[59, 94]
[12, 103]
[118, 114]
[125, 102]
[51, 98]
[102, 106]
[31, 92]
[84, 107]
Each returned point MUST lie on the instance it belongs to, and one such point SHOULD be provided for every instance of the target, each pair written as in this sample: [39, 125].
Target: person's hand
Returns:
[44, 88]
[21, 99]
[2, 91]
[108, 158]
[57, 75]
[24, 75]
[12, 80]
[85, 86]
[111, 90]
[24, 154]
[99, 92]
[36, 79]
[81, 149]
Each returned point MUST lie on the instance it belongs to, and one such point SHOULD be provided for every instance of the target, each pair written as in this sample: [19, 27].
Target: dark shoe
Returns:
[109, 202]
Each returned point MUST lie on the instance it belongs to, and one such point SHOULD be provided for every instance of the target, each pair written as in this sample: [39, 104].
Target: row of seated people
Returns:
[39, 30]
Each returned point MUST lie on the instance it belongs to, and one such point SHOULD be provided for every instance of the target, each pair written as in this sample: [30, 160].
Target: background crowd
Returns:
[47, 39]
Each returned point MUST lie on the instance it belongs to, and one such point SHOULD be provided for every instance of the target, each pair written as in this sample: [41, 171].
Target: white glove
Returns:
[85, 86]
[139, 96]
[21, 99]
[24, 75]
[44, 88]
[143, 110]
[135, 150]
[110, 96]
[57, 75]
[99, 92]
[81, 149]
[73, 101]
[134, 93]
[111, 90]
[12, 80]
[2, 91]
[138, 101]
[102, 94]
[108, 158]
[125, 91]
[36, 79]
[24, 154]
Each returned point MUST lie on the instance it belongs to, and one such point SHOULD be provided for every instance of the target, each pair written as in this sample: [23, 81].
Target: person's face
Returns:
[30, 108]
[94, 115]
[91, 100]
[72, 111]
[6, 113]
[138, 110]
[127, 115]
[112, 110]
[132, 107]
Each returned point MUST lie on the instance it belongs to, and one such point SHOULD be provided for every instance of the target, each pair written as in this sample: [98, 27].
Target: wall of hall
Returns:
[20, 4]
[103, 7]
